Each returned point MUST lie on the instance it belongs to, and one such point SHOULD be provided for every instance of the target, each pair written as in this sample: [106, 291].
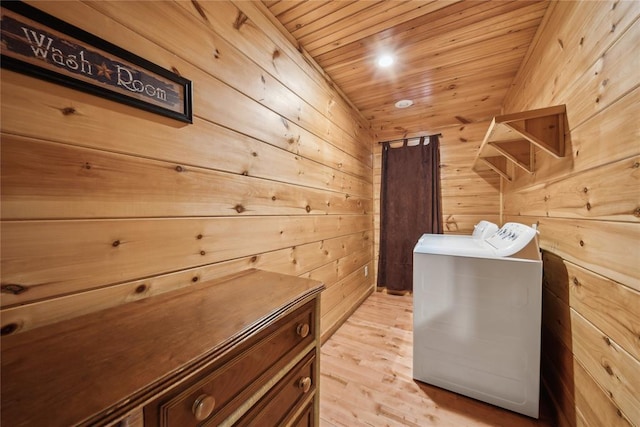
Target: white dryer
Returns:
[477, 314]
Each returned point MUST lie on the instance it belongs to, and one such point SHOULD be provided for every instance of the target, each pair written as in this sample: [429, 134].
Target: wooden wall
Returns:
[587, 205]
[104, 204]
[467, 197]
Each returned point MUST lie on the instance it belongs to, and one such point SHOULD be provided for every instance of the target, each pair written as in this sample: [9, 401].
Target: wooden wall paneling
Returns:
[610, 192]
[342, 288]
[337, 274]
[612, 367]
[573, 38]
[69, 256]
[336, 270]
[469, 204]
[556, 316]
[556, 370]
[579, 399]
[467, 196]
[603, 81]
[611, 124]
[561, 333]
[457, 172]
[589, 234]
[224, 107]
[202, 144]
[339, 314]
[29, 309]
[362, 129]
[273, 127]
[273, 53]
[595, 408]
[223, 61]
[607, 80]
[125, 186]
[610, 306]
[266, 122]
[258, 14]
[466, 186]
[314, 255]
[586, 148]
[606, 248]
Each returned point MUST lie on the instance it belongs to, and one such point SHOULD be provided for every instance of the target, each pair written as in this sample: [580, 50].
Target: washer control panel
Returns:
[511, 238]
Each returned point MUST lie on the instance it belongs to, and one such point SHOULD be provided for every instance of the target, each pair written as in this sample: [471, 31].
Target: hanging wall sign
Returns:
[38, 44]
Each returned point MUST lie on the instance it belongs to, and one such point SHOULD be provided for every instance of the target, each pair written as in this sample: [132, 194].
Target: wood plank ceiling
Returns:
[455, 60]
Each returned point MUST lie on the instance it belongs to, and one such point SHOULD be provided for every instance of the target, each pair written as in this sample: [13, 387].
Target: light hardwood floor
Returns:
[366, 377]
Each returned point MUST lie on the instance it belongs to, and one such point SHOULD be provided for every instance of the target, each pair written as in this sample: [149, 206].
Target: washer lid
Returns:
[484, 229]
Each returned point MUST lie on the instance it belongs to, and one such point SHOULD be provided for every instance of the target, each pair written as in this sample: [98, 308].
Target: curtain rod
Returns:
[413, 137]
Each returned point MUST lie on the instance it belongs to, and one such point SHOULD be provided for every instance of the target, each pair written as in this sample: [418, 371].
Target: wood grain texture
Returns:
[366, 377]
[201, 144]
[467, 196]
[575, 37]
[606, 248]
[615, 370]
[69, 256]
[269, 130]
[459, 57]
[34, 306]
[611, 192]
[582, 402]
[227, 62]
[610, 306]
[126, 186]
[581, 59]
[89, 370]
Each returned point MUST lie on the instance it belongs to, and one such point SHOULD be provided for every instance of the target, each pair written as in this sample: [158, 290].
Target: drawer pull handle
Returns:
[203, 406]
[304, 384]
[302, 329]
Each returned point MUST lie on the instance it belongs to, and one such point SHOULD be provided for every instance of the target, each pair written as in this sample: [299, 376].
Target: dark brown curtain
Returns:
[409, 207]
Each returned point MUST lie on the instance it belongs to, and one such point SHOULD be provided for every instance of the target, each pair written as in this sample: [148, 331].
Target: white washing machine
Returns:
[476, 316]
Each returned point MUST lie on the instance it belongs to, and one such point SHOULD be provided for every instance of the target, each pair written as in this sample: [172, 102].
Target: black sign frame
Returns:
[136, 77]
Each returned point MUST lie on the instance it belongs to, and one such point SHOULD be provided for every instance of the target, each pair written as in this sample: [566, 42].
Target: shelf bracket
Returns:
[512, 138]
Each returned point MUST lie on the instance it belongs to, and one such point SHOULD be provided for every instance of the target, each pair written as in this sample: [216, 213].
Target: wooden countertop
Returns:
[102, 365]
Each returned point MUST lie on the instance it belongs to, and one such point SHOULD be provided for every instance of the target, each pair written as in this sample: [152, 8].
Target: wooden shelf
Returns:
[511, 139]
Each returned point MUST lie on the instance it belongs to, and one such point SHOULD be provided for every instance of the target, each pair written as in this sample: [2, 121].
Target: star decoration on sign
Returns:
[104, 71]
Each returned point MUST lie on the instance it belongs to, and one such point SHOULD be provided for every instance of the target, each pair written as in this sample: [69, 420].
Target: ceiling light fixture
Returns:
[385, 60]
[404, 103]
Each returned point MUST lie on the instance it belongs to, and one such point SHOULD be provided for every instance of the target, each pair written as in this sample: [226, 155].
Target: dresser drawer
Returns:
[292, 391]
[213, 395]
[306, 418]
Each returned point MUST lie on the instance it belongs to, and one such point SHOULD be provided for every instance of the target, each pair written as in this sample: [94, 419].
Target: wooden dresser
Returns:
[238, 351]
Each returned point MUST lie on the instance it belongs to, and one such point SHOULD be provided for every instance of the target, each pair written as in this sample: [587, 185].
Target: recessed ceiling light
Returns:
[404, 103]
[385, 60]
